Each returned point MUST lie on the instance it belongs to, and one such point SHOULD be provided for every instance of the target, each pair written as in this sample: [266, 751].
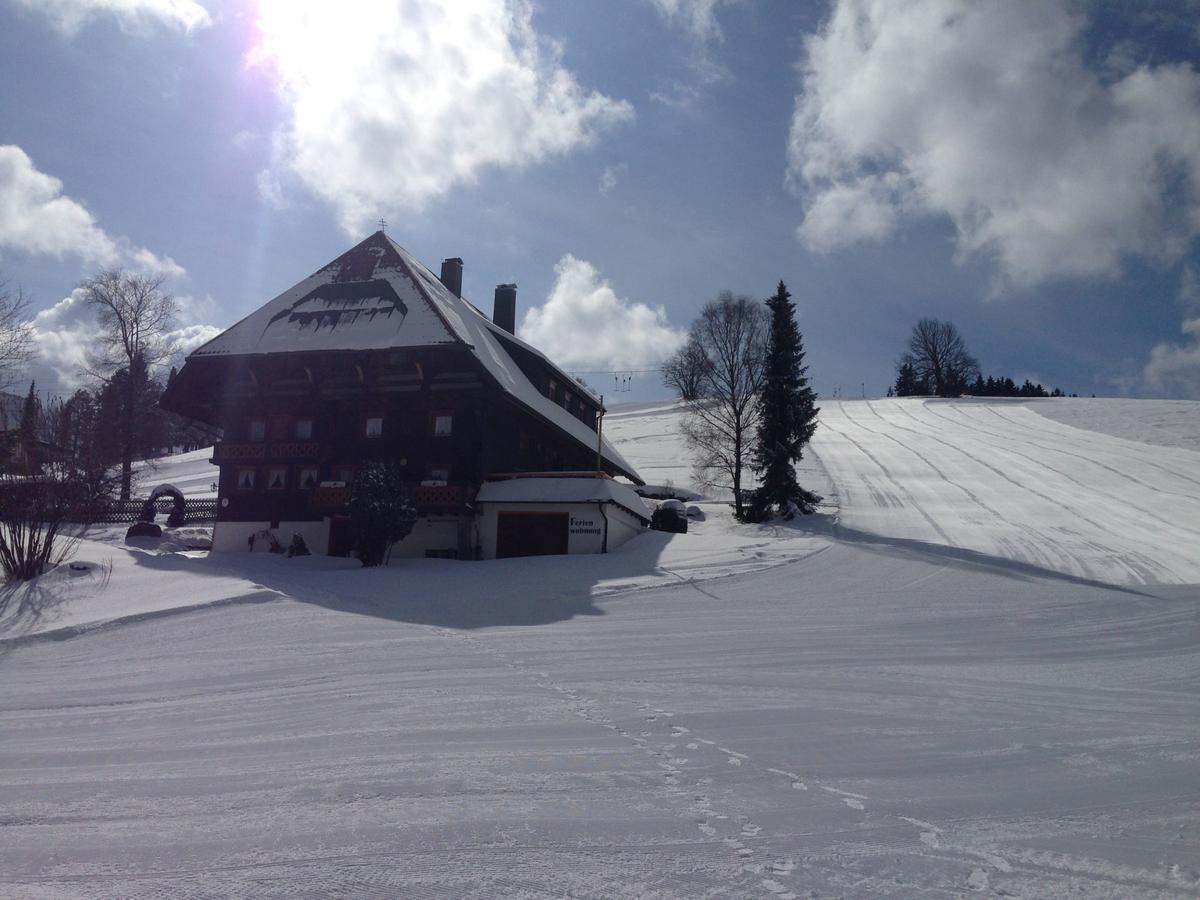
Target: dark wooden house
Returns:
[373, 357]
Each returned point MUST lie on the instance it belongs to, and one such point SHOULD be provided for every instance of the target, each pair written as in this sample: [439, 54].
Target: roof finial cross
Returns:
[383, 224]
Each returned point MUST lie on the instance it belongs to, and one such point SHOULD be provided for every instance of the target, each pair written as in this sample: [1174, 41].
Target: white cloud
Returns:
[1174, 369]
[36, 217]
[186, 339]
[65, 333]
[983, 111]
[862, 211]
[70, 15]
[698, 17]
[611, 177]
[425, 97]
[584, 323]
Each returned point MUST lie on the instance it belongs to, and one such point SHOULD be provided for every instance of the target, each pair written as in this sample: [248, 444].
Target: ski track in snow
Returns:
[1002, 481]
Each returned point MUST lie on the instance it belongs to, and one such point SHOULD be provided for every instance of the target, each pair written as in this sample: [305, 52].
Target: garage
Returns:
[531, 533]
[546, 514]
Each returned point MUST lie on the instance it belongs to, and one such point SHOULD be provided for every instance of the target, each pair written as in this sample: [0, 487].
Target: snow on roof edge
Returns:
[564, 490]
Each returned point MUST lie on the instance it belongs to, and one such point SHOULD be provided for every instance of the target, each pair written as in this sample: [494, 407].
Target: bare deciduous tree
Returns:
[721, 420]
[937, 355]
[16, 334]
[135, 314]
[684, 370]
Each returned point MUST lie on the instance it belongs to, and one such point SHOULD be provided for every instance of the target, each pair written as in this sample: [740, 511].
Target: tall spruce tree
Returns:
[788, 416]
[30, 449]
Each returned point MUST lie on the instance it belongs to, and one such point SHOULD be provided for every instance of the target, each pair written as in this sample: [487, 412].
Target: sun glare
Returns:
[309, 42]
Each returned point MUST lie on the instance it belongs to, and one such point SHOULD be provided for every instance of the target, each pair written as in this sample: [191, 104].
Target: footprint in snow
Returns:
[978, 881]
[778, 889]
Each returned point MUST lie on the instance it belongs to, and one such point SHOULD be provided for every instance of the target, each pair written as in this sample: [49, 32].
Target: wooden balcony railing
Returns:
[225, 451]
[426, 498]
[296, 450]
[256, 451]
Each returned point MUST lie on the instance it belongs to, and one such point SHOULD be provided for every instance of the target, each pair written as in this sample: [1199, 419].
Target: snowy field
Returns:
[976, 674]
[1001, 480]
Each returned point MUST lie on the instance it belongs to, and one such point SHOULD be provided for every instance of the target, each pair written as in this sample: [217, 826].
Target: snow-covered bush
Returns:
[381, 512]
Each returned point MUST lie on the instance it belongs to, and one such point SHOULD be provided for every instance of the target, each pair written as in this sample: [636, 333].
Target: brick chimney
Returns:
[504, 311]
[451, 275]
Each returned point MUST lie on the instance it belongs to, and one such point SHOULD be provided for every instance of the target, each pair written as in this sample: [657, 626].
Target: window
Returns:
[552, 393]
[374, 427]
[245, 479]
[276, 478]
[569, 401]
[279, 428]
[304, 429]
[256, 430]
[438, 475]
[309, 477]
[443, 424]
[344, 474]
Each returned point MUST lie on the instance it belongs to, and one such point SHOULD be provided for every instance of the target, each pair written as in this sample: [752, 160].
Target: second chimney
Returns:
[504, 312]
[452, 275]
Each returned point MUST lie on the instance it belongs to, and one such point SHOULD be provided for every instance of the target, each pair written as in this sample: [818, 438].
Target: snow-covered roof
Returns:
[378, 296]
[564, 490]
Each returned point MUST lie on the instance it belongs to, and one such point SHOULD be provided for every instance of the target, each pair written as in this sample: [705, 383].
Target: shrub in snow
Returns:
[381, 512]
[32, 513]
[298, 547]
[695, 512]
[670, 520]
[143, 530]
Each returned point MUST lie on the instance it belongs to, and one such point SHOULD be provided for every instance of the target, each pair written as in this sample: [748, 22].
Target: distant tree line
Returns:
[936, 363]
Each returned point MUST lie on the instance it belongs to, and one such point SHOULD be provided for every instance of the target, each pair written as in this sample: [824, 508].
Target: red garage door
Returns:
[530, 534]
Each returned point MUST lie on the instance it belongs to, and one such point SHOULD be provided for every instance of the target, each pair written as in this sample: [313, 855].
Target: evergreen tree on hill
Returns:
[788, 415]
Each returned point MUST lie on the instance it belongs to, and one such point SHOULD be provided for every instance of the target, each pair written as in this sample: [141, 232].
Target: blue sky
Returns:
[1028, 170]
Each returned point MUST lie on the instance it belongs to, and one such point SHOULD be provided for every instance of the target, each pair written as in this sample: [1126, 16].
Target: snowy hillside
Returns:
[976, 674]
[999, 479]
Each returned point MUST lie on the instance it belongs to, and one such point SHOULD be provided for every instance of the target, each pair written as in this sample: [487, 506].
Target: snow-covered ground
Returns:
[998, 479]
[191, 472]
[856, 705]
